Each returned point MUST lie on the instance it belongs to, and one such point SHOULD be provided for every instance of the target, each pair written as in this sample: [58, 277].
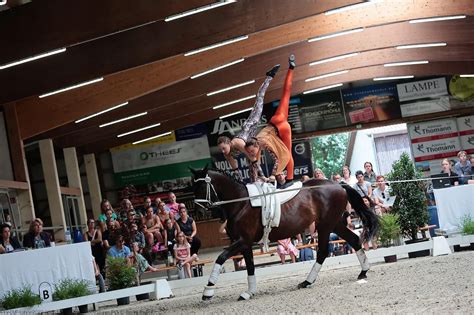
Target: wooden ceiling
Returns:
[141, 57]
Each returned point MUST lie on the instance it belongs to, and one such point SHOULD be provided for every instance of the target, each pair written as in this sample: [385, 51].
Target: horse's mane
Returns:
[228, 174]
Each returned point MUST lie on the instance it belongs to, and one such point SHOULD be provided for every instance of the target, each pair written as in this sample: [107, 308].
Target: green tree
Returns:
[410, 204]
[329, 152]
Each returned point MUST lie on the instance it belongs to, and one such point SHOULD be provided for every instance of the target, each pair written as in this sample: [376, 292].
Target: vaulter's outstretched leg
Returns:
[251, 280]
[233, 249]
[280, 118]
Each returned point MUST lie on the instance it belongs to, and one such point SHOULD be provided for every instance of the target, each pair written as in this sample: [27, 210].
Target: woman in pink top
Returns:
[172, 205]
[182, 253]
[285, 247]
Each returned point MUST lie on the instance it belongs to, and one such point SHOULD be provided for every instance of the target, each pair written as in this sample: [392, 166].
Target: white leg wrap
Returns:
[313, 274]
[208, 291]
[252, 281]
[216, 270]
[364, 262]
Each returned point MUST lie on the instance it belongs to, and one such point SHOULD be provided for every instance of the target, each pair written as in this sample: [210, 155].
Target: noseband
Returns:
[209, 189]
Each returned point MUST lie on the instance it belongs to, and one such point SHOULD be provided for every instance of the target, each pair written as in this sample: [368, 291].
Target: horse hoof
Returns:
[362, 275]
[245, 296]
[240, 299]
[303, 285]
[206, 298]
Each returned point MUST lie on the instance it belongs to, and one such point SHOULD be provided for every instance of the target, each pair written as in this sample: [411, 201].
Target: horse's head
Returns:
[204, 192]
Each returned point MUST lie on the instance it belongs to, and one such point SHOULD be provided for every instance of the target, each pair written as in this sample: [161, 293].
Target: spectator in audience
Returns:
[104, 207]
[463, 168]
[156, 205]
[170, 234]
[139, 262]
[347, 217]
[36, 238]
[153, 228]
[111, 228]
[363, 188]
[8, 243]
[369, 174]
[94, 235]
[336, 177]
[183, 255]
[347, 177]
[125, 207]
[285, 247]
[318, 174]
[146, 204]
[187, 225]
[173, 206]
[446, 169]
[332, 246]
[119, 249]
[472, 165]
[162, 213]
[382, 197]
[368, 202]
[137, 236]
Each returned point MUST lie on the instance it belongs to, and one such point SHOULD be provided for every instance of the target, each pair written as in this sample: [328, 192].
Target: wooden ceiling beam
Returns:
[42, 26]
[151, 42]
[136, 82]
[189, 114]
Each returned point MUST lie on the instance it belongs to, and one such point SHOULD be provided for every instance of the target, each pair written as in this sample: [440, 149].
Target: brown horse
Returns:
[324, 205]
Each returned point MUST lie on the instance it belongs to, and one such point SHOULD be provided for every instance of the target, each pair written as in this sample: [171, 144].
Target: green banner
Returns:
[159, 173]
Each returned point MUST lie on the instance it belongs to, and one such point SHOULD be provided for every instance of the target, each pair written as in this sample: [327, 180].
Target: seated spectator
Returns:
[162, 213]
[146, 204]
[331, 246]
[137, 236]
[463, 168]
[446, 169]
[381, 196]
[369, 174]
[347, 177]
[173, 206]
[36, 238]
[336, 177]
[156, 205]
[318, 174]
[285, 247]
[94, 235]
[125, 207]
[111, 228]
[368, 202]
[187, 225]
[119, 249]
[348, 219]
[8, 243]
[363, 187]
[153, 228]
[139, 262]
[104, 207]
[182, 253]
[170, 234]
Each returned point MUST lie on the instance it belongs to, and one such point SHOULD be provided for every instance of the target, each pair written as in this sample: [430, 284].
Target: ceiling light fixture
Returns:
[198, 10]
[151, 138]
[327, 75]
[394, 78]
[421, 45]
[138, 130]
[231, 87]
[72, 87]
[467, 75]
[406, 63]
[235, 113]
[101, 112]
[318, 62]
[122, 119]
[315, 39]
[323, 88]
[227, 42]
[352, 7]
[234, 101]
[436, 19]
[19, 62]
[217, 68]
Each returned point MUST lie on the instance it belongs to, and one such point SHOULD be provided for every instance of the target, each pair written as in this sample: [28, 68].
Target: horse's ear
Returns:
[193, 171]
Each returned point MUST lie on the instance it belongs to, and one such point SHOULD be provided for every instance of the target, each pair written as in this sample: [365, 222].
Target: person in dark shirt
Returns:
[187, 225]
[446, 169]
[36, 238]
[8, 243]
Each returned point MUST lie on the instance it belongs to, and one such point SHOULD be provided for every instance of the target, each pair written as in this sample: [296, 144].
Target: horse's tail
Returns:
[369, 219]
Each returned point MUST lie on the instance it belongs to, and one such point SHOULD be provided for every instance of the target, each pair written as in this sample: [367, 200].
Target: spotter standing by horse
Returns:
[324, 204]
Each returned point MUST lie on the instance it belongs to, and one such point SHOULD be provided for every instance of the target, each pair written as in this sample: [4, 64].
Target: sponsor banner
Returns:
[158, 155]
[371, 103]
[161, 140]
[436, 149]
[191, 132]
[422, 89]
[466, 133]
[302, 158]
[426, 107]
[165, 177]
[429, 129]
[321, 112]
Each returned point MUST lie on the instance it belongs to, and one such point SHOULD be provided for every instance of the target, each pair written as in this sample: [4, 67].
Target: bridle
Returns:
[209, 190]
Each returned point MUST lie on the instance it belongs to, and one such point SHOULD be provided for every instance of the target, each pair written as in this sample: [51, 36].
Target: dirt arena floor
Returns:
[441, 285]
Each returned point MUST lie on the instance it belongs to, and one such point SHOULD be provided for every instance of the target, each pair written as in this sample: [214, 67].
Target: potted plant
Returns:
[467, 225]
[20, 298]
[71, 288]
[410, 204]
[389, 233]
[120, 275]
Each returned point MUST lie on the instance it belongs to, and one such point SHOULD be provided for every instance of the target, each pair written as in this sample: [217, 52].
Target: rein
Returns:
[209, 189]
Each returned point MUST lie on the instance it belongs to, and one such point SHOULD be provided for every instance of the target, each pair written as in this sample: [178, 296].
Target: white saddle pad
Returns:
[284, 195]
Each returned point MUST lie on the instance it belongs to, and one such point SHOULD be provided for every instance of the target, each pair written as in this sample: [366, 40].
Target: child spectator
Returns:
[182, 253]
[170, 235]
[173, 206]
[139, 262]
[285, 247]
[162, 213]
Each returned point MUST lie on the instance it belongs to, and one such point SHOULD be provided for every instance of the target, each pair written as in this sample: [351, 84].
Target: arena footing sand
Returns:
[443, 284]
